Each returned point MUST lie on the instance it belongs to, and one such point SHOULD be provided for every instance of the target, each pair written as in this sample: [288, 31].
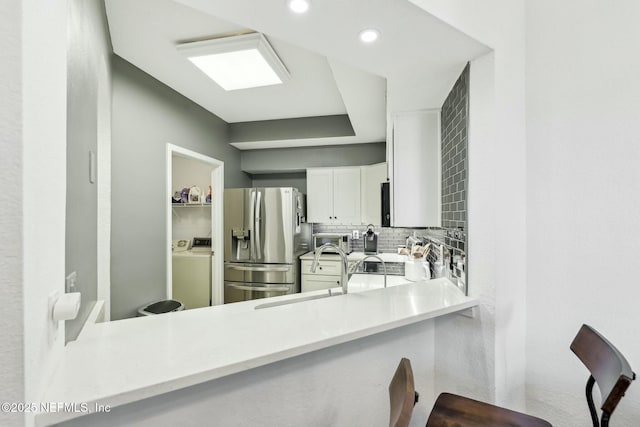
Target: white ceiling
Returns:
[332, 72]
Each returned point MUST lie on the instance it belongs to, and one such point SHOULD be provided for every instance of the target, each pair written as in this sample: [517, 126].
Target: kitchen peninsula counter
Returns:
[115, 363]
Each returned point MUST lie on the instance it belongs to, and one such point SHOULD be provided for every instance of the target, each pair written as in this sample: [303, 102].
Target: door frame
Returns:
[217, 219]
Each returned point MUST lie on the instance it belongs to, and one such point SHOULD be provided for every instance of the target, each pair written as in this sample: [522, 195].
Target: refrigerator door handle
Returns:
[242, 287]
[252, 213]
[256, 226]
[261, 267]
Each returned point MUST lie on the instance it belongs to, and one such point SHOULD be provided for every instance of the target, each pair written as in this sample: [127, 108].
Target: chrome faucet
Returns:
[384, 266]
[345, 263]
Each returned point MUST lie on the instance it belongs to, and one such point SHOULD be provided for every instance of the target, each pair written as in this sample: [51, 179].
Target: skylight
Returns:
[237, 62]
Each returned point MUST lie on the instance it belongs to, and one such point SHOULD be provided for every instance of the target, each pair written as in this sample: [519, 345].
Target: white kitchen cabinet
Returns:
[371, 179]
[320, 195]
[415, 186]
[346, 195]
[328, 274]
[310, 284]
[333, 195]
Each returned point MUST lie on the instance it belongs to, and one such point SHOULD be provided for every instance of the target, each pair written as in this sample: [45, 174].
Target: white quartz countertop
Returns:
[357, 256]
[128, 360]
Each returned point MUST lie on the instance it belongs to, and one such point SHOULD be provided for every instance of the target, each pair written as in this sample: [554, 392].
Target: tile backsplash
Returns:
[454, 132]
[389, 239]
[454, 125]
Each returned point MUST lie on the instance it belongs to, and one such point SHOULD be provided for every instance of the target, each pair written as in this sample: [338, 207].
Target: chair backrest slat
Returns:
[452, 410]
[607, 365]
[402, 395]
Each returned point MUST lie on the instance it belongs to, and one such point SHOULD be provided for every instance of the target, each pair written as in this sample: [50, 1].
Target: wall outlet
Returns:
[355, 234]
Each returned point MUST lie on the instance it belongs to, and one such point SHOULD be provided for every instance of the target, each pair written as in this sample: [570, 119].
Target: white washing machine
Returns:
[191, 276]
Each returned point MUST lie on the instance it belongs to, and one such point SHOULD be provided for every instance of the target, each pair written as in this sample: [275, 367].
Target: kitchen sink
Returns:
[294, 300]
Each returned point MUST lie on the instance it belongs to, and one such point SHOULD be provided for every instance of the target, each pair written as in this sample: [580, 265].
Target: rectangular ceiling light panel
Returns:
[237, 62]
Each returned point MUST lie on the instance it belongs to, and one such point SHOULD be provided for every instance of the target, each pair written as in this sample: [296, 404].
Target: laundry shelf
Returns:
[191, 205]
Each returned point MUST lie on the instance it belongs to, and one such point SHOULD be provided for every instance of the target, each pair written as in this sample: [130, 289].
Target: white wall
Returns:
[496, 196]
[342, 386]
[465, 348]
[581, 179]
[583, 196]
[44, 109]
[11, 223]
[32, 153]
[104, 186]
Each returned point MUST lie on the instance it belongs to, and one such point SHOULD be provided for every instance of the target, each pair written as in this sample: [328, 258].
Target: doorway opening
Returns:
[195, 191]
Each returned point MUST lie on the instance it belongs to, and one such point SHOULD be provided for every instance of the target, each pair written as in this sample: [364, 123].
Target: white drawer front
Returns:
[315, 282]
[325, 268]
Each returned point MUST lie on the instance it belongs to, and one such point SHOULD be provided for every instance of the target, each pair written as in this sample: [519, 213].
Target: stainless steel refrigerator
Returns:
[265, 233]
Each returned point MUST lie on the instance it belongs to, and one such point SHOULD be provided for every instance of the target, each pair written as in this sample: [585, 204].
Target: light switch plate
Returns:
[92, 167]
[355, 234]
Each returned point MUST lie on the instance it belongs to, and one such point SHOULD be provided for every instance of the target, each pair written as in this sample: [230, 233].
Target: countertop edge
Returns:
[130, 396]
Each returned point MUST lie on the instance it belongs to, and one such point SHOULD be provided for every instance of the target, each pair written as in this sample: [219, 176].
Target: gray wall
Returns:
[83, 109]
[298, 128]
[146, 116]
[297, 180]
[280, 160]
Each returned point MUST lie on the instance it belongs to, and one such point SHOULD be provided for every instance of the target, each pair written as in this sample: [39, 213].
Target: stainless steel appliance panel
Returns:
[341, 240]
[260, 273]
[265, 232]
[273, 225]
[238, 291]
[302, 230]
[238, 229]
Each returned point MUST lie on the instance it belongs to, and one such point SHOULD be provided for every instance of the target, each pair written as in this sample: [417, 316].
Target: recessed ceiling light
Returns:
[237, 62]
[369, 35]
[298, 6]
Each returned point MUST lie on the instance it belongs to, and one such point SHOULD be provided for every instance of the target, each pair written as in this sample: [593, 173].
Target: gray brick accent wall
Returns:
[454, 128]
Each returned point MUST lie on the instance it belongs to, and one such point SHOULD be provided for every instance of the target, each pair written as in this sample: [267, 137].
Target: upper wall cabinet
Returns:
[416, 189]
[371, 179]
[333, 195]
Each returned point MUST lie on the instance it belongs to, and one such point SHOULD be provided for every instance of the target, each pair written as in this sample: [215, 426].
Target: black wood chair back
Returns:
[452, 410]
[609, 369]
[402, 395]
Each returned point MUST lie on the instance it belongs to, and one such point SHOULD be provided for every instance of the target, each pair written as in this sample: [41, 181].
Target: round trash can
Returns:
[159, 307]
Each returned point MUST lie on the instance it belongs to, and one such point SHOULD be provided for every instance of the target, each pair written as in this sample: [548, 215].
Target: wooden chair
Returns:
[608, 368]
[451, 410]
[402, 395]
